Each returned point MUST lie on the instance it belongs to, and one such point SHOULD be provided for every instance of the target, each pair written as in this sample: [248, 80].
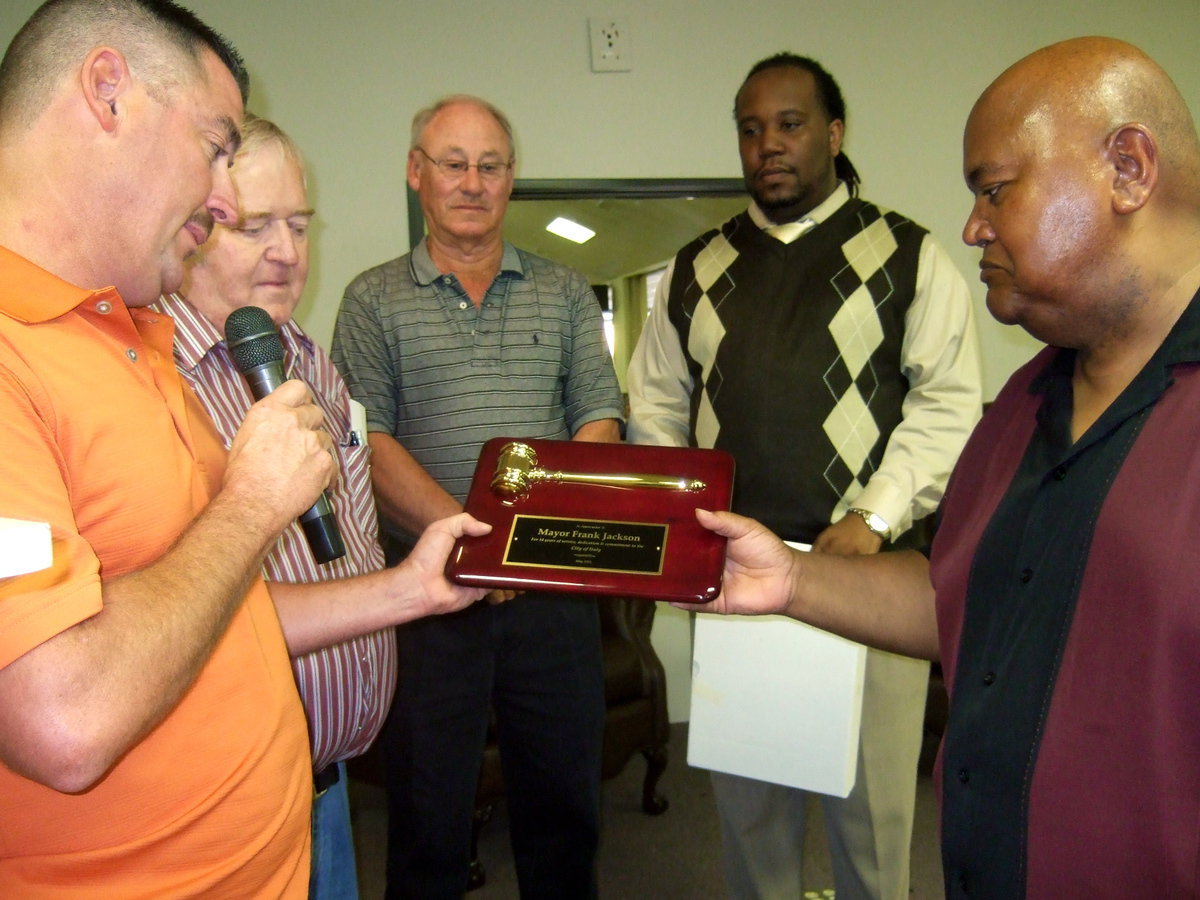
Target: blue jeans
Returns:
[333, 874]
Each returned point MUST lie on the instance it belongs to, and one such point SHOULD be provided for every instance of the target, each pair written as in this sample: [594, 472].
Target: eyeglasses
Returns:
[456, 169]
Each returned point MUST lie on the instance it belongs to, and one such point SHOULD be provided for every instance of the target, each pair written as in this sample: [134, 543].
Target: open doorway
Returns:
[639, 224]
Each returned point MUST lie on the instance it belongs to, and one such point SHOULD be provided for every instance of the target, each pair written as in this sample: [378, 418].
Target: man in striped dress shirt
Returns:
[345, 668]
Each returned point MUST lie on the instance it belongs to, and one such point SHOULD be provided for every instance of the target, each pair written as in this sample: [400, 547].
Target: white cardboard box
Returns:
[777, 700]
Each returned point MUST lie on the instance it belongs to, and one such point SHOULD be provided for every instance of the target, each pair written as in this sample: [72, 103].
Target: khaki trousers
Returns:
[870, 832]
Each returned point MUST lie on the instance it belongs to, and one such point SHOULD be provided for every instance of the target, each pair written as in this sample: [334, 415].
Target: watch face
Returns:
[884, 529]
[875, 522]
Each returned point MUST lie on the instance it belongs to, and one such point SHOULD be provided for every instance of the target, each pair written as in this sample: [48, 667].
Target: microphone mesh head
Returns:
[252, 338]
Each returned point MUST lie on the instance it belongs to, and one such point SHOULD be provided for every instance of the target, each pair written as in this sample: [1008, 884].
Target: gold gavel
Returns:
[517, 470]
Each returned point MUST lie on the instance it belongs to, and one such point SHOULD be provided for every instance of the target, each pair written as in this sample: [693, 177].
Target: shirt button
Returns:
[132, 354]
[1060, 472]
[462, 304]
[1026, 576]
[964, 776]
[104, 307]
[989, 678]
[446, 279]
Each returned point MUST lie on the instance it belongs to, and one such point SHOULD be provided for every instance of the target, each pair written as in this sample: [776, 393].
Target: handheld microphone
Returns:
[258, 354]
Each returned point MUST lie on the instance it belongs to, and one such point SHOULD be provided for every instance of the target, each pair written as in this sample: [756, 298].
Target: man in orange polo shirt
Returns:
[152, 742]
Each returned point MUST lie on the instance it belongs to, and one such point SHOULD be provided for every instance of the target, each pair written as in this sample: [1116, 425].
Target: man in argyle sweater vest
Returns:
[828, 345]
[815, 403]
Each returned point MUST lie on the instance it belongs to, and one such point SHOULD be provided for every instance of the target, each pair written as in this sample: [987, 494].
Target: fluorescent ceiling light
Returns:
[572, 231]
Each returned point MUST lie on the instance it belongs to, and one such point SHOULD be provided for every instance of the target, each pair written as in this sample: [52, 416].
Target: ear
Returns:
[414, 163]
[837, 129]
[105, 79]
[511, 178]
[1133, 154]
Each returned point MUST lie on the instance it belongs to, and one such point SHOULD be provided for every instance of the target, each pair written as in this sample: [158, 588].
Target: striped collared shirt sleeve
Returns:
[346, 688]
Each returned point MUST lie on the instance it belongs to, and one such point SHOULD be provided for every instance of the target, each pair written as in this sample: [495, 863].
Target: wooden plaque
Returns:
[596, 519]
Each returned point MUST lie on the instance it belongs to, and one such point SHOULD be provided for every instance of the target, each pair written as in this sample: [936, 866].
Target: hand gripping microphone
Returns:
[258, 354]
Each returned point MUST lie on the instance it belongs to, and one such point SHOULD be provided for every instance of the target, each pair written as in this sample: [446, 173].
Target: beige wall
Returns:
[344, 79]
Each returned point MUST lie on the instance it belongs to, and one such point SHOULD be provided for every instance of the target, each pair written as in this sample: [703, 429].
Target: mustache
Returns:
[774, 165]
[204, 219]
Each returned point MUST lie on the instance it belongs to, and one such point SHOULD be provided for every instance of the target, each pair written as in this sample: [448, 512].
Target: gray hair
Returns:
[258, 132]
[422, 119]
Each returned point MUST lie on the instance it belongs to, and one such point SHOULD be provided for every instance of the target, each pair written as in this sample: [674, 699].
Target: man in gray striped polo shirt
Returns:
[464, 339]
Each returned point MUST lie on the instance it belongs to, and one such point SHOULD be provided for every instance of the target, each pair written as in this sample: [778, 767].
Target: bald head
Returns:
[423, 117]
[1083, 90]
[1085, 166]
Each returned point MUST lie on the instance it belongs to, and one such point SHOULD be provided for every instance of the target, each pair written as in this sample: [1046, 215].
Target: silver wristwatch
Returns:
[877, 523]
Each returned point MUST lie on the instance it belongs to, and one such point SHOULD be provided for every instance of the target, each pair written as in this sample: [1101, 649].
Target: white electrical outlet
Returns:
[611, 50]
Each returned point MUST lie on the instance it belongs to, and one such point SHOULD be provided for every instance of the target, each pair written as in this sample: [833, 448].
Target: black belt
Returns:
[325, 779]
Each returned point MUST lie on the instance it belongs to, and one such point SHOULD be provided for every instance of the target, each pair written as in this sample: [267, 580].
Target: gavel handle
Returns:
[666, 482]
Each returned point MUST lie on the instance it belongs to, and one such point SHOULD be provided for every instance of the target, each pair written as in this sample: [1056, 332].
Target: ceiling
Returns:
[632, 234]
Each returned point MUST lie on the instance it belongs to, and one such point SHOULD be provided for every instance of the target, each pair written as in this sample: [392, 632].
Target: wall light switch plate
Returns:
[611, 48]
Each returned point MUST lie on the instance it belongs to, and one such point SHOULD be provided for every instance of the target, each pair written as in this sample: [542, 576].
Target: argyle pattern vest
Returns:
[794, 351]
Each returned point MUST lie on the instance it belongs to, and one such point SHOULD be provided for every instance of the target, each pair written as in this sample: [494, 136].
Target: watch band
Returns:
[876, 523]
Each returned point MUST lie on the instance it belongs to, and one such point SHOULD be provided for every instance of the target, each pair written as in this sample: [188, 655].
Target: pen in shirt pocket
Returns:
[357, 435]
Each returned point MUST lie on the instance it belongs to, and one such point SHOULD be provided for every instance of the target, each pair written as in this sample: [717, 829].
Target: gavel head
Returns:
[513, 467]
